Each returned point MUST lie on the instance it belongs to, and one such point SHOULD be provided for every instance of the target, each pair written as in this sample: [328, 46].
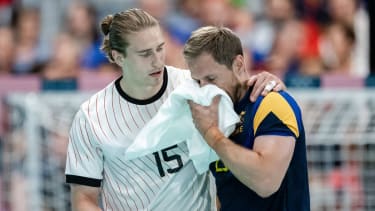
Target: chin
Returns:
[156, 82]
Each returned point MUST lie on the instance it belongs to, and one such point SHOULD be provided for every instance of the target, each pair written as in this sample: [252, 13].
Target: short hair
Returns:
[116, 27]
[220, 42]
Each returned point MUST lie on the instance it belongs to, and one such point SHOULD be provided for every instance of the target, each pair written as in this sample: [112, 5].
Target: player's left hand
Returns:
[263, 83]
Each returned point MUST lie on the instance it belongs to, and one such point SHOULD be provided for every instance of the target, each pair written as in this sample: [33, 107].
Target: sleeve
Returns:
[84, 164]
[275, 115]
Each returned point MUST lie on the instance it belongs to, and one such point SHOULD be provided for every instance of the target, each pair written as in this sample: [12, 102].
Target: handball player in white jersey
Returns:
[108, 122]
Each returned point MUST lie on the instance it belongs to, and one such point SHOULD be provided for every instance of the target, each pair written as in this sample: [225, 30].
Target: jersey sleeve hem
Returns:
[277, 133]
[83, 180]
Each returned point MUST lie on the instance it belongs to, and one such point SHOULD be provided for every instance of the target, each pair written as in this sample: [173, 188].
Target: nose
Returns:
[158, 60]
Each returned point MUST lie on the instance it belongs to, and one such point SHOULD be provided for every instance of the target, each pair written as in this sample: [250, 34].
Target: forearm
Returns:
[249, 167]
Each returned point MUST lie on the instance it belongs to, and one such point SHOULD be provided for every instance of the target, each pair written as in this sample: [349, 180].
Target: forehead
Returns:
[204, 65]
[147, 38]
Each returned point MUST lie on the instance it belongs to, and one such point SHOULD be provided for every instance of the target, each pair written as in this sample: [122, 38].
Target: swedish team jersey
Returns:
[275, 114]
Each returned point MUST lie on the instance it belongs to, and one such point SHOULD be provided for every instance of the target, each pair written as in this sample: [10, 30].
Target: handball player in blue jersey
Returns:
[263, 163]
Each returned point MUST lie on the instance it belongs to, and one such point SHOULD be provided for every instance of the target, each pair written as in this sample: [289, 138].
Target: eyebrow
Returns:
[149, 49]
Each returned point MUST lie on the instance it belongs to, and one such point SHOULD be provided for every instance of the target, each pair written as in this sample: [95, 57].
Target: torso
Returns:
[294, 195]
[146, 183]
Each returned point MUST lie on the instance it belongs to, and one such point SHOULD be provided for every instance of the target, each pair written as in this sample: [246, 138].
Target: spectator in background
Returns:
[232, 15]
[7, 48]
[6, 11]
[283, 58]
[276, 13]
[312, 15]
[62, 69]
[214, 12]
[343, 11]
[27, 29]
[173, 49]
[183, 20]
[160, 9]
[81, 24]
[353, 14]
[286, 57]
[241, 22]
[337, 49]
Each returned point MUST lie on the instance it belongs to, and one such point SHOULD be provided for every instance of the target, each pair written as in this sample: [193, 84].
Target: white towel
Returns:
[173, 124]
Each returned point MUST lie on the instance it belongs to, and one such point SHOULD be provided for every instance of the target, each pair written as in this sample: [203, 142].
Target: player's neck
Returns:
[241, 91]
[140, 92]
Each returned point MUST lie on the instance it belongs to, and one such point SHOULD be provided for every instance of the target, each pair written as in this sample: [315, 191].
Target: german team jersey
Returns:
[275, 114]
[105, 126]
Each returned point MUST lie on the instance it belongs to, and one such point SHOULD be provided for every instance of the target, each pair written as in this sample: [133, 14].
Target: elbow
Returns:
[268, 187]
[265, 193]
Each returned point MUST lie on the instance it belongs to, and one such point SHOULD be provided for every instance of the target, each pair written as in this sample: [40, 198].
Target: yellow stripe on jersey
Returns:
[276, 104]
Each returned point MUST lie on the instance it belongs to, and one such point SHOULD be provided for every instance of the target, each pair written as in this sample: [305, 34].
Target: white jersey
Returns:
[105, 126]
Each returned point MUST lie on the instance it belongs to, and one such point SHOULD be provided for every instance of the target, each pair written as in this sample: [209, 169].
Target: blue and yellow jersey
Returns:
[275, 114]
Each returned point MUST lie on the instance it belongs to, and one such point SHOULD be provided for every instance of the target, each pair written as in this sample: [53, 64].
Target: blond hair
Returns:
[116, 27]
[220, 42]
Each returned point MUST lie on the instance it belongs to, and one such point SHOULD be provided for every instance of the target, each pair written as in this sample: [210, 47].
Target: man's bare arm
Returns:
[84, 198]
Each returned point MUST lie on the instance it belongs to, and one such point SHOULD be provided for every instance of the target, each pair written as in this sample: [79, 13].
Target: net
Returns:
[340, 133]
[35, 150]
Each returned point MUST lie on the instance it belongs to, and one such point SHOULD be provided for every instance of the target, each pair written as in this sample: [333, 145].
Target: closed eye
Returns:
[147, 54]
[210, 79]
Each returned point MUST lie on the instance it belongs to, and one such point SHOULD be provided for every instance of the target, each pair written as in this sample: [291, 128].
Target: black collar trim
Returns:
[145, 101]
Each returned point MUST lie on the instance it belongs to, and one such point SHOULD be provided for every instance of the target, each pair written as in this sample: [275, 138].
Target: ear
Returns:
[238, 67]
[117, 57]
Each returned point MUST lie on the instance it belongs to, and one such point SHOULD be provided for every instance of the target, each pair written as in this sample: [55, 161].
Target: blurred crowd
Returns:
[59, 40]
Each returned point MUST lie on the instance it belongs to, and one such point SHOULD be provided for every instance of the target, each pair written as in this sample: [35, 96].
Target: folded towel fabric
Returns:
[173, 124]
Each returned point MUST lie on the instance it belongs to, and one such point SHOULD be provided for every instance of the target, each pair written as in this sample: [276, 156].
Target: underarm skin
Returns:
[84, 198]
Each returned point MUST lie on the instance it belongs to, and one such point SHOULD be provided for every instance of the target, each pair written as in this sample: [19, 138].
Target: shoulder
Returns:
[98, 98]
[277, 103]
[277, 112]
[277, 100]
[177, 75]
[177, 72]
[278, 107]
